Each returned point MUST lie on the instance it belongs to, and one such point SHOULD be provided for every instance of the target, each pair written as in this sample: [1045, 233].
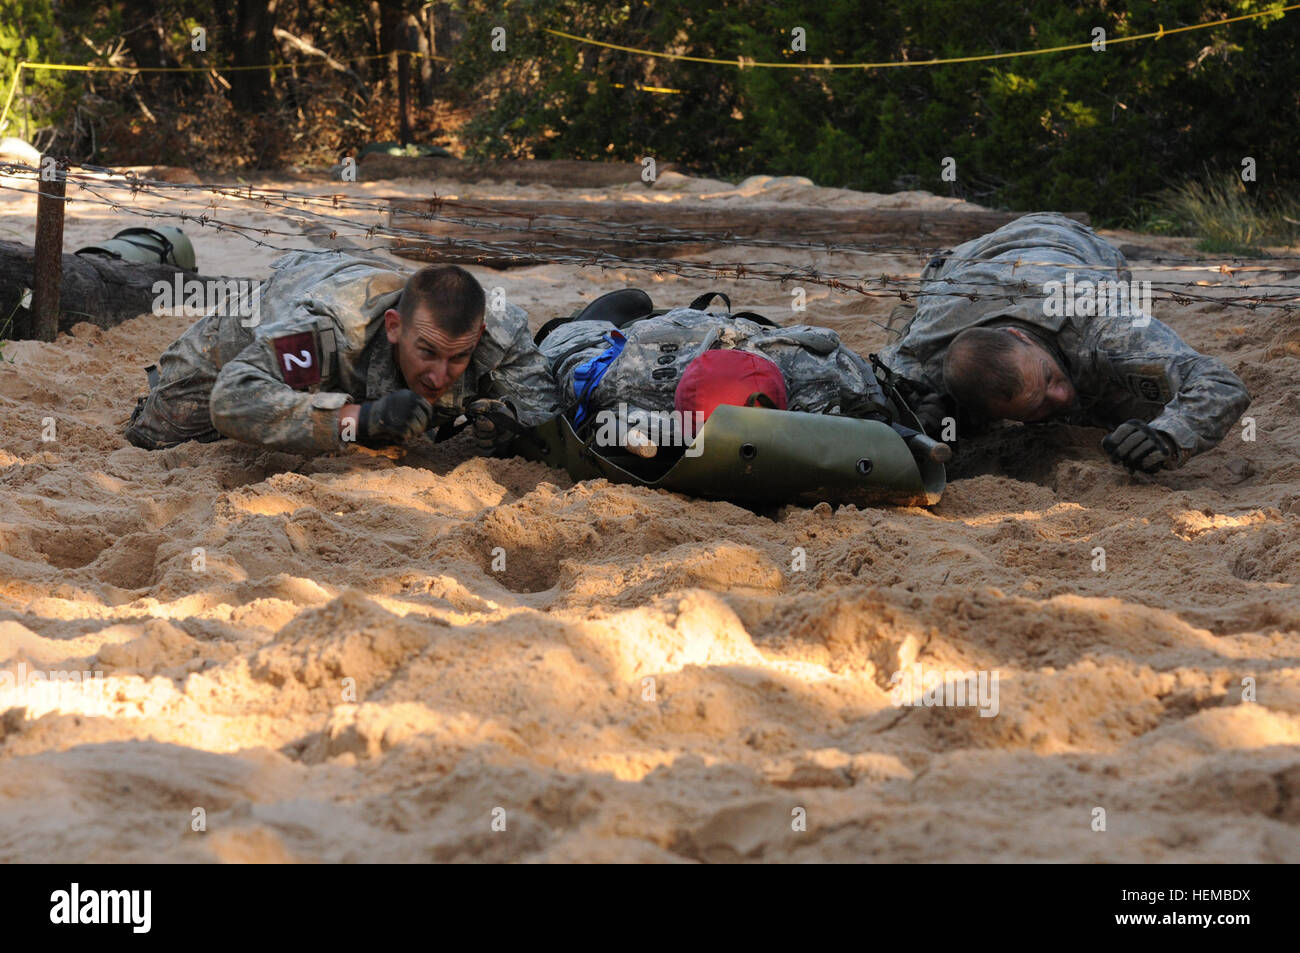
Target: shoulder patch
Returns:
[1152, 386]
[298, 359]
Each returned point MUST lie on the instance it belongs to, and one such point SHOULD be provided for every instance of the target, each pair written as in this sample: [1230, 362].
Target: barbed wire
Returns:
[282, 203]
[544, 252]
[601, 229]
[547, 251]
[608, 231]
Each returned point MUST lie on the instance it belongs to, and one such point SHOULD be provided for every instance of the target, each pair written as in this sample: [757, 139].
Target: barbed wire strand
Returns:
[605, 230]
[905, 287]
[525, 248]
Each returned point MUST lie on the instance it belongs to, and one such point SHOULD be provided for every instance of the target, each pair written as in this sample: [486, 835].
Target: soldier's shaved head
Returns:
[450, 294]
[1003, 372]
[980, 366]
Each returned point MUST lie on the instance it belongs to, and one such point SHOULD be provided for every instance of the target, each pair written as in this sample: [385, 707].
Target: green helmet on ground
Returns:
[159, 245]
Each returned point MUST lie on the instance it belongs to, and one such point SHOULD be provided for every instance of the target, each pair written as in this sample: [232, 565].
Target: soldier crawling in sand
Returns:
[351, 351]
[987, 340]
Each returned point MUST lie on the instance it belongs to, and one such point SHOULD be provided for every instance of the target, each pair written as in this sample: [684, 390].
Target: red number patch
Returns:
[297, 358]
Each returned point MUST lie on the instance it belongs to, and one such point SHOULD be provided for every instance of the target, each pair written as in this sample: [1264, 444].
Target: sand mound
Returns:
[432, 656]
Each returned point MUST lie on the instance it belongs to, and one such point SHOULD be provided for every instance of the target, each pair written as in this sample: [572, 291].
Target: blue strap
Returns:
[590, 372]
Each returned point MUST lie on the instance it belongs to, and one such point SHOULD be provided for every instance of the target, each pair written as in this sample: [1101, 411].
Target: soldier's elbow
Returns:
[221, 409]
[225, 424]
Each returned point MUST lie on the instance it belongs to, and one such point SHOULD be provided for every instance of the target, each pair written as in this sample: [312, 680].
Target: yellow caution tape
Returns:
[648, 89]
[743, 62]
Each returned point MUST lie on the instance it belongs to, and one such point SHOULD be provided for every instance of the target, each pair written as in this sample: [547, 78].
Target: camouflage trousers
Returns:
[176, 409]
[173, 413]
[180, 388]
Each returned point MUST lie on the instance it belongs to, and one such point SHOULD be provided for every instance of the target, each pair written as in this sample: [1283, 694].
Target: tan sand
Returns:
[649, 678]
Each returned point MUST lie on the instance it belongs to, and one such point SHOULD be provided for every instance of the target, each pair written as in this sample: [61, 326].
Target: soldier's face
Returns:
[1047, 389]
[430, 359]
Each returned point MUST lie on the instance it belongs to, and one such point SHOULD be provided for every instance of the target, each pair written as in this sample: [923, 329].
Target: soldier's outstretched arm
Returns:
[252, 402]
[1208, 398]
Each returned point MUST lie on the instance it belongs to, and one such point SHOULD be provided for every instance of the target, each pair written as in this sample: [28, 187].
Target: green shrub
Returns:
[1100, 132]
[28, 32]
[1227, 215]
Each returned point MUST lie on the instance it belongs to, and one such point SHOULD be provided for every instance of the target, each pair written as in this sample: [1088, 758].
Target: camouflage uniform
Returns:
[321, 344]
[1121, 368]
[821, 374]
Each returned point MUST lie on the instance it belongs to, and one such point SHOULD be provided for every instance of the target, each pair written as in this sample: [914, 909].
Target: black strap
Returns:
[550, 326]
[168, 249]
[883, 374]
[620, 308]
[622, 321]
[544, 331]
[702, 302]
[756, 318]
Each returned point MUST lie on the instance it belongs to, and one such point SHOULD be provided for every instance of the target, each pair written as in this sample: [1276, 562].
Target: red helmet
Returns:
[730, 377]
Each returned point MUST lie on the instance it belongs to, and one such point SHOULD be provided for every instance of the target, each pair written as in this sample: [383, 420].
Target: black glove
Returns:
[930, 411]
[490, 437]
[1135, 445]
[393, 418]
[929, 406]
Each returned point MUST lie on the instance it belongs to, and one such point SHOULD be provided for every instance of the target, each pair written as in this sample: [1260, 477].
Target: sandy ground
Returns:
[315, 659]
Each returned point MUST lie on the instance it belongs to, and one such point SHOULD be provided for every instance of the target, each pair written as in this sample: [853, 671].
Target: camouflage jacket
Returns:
[1124, 364]
[320, 343]
[821, 374]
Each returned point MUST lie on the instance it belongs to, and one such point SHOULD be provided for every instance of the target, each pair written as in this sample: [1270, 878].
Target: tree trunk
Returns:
[428, 48]
[430, 44]
[377, 70]
[390, 23]
[254, 22]
[144, 42]
[404, 44]
[562, 173]
[661, 231]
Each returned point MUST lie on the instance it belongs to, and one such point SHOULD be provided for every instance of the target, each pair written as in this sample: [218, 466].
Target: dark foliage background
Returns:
[1095, 131]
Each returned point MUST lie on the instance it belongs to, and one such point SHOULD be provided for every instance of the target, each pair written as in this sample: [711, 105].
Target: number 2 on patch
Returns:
[301, 359]
[298, 361]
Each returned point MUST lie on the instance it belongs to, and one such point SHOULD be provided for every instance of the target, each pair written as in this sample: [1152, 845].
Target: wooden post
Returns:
[47, 266]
